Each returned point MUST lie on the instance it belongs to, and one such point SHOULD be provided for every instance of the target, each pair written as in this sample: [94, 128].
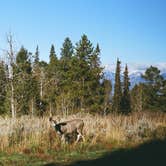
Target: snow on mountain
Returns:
[135, 72]
[135, 78]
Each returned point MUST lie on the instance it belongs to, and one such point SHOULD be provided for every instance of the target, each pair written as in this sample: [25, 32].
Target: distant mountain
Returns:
[135, 77]
[164, 75]
[135, 72]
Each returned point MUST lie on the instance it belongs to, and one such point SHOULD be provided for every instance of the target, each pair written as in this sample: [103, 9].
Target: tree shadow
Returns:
[149, 154]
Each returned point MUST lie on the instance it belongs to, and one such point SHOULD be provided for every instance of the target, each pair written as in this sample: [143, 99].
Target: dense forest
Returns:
[73, 83]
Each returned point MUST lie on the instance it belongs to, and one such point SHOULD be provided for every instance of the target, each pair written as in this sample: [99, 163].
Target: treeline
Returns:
[150, 95]
[64, 85]
[72, 83]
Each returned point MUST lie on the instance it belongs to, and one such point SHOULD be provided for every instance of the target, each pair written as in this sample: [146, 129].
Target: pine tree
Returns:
[64, 101]
[96, 75]
[106, 94]
[23, 73]
[65, 62]
[3, 87]
[36, 57]
[162, 96]
[153, 84]
[138, 98]
[53, 56]
[52, 78]
[36, 82]
[152, 76]
[81, 67]
[95, 64]
[43, 86]
[117, 90]
[125, 102]
[67, 49]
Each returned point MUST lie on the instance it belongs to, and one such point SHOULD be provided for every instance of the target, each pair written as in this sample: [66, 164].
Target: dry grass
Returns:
[34, 135]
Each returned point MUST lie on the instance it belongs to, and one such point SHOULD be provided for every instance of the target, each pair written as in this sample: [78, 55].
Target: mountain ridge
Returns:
[135, 76]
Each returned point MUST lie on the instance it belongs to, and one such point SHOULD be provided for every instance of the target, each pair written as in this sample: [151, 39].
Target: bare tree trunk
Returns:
[41, 84]
[32, 107]
[41, 88]
[12, 101]
[11, 57]
[140, 101]
[50, 109]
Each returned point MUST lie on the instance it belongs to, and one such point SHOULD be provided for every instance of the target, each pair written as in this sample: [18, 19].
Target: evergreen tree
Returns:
[67, 49]
[36, 82]
[106, 94]
[81, 67]
[65, 62]
[44, 80]
[65, 98]
[125, 102]
[117, 90]
[52, 79]
[87, 74]
[36, 57]
[53, 56]
[153, 84]
[36, 62]
[96, 75]
[152, 76]
[138, 98]
[22, 73]
[3, 86]
[162, 96]
[95, 65]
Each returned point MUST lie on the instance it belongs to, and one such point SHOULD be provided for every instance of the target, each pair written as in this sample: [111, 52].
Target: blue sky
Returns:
[133, 30]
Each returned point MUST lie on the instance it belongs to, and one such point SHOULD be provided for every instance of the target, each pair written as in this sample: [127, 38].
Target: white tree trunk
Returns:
[12, 100]
[32, 107]
[11, 57]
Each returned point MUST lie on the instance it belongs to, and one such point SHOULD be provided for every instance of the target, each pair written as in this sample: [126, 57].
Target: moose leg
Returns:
[79, 135]
[63, 138]
[66, 138]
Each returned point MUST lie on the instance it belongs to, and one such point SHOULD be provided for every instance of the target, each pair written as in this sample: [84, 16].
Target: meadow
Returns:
[31, 140]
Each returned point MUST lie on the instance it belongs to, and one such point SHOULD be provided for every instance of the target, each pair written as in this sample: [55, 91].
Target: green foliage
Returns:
[117, 89]
[52, 79]
[159, 133]
[74, 82]
[87, 74]
[150, 95]
[22, 81]
[154, 91]
[152, 76]
[106, 96]
[66, 65]
[138, 98]
[36, 57]
[162, 96]
[3, 87]
[67, 49]
[125, 101]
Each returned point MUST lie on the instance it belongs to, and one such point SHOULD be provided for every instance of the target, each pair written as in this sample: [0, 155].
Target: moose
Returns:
[68, 128]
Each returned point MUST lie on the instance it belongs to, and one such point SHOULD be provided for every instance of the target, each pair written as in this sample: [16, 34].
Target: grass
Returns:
[59, 158]
[31, 141]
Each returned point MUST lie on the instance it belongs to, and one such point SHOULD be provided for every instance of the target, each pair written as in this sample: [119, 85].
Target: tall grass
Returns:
[34, 135]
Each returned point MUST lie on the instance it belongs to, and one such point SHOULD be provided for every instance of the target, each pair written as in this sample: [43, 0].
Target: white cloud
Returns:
[137, 67]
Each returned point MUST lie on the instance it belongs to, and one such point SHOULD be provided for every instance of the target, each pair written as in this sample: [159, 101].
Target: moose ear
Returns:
[52, 120]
